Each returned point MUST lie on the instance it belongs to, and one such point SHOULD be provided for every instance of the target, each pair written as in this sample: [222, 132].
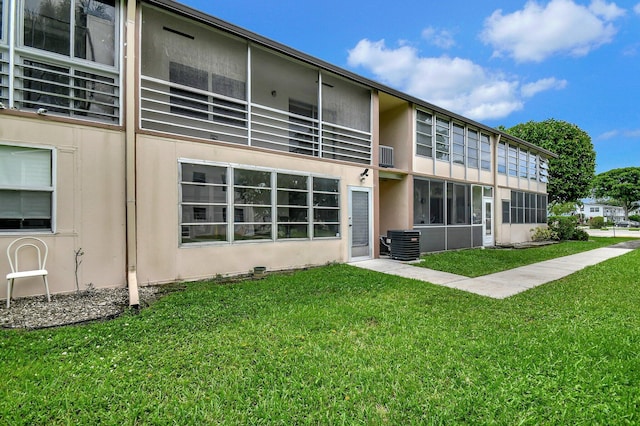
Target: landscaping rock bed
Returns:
[72, 308]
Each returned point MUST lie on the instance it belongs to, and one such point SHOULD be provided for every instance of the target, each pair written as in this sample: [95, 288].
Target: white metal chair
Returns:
[31, 244]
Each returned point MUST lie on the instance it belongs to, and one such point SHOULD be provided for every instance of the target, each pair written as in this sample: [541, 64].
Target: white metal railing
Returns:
[177, 109]
[343, 143]
[63, 88]
[174, 108]
[275, 129]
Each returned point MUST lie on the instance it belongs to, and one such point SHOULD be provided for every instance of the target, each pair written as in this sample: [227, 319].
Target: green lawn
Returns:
[478, 262]
[342, 345]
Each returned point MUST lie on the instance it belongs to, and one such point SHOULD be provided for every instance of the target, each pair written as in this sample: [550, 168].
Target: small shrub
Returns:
[543, 234]
[566, 227]
[596, 222]
[635, 217]
[580, 235]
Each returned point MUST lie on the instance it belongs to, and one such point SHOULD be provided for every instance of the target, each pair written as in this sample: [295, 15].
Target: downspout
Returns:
[130, 151]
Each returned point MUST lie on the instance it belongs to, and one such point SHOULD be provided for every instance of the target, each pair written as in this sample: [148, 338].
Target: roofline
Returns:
[210, 20]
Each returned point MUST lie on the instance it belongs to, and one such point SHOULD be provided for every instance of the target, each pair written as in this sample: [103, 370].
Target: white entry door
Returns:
[360, 232]
[487, 221]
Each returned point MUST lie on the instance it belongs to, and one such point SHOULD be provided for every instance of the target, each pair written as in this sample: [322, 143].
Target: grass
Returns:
[342, 345]
[477, 262]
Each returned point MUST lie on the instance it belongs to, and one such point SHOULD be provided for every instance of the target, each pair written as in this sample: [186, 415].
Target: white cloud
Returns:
[608, 11]
[531, 89]
[627, 134]
[440, 38]
[562, 26]
[453, 83]
[609, 135]
[636, 9]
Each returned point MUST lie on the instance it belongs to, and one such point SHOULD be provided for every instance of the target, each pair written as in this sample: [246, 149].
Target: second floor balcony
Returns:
[202, 82]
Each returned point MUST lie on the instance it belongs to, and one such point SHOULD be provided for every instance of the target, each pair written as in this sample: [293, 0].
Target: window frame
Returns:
[442, 145]
[73, 28]
[473, 148]
[52, 189]
[64, 84]
[427, 144]
[231, 205]
[502, 166]
[512, 160]
[458, 144]
[485, 151]
[526, 207]
[543, 170]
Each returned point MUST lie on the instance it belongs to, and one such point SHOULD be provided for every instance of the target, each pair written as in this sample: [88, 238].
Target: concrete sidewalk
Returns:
[501, 284]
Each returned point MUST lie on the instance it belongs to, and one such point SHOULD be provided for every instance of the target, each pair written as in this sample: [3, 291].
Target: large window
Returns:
[533, 165]
[253, 208]
[223, 203]
[472, 149]
[543, 172]
[26, 188]
[458, 204]
[513, 160]
[204, 206]
[485, 144]
[526, 207]
[458, 144]
[442, 139]
[523, 162]
[326, 207]
[293, 206]
[519, 162]
[424, 134]
[502, 157]
[64, 59]
[428, 204]
[77, 28]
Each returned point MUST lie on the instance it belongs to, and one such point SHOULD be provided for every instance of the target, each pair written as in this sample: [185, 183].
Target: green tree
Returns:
[621, 186]
[571, 174]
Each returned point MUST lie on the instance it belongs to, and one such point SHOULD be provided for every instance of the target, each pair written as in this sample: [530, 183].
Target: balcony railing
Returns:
[176, 109]
[59, 87]
[282, 131]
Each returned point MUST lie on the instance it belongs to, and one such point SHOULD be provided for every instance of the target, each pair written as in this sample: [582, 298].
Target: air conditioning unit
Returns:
[386, 156]
[405, 244]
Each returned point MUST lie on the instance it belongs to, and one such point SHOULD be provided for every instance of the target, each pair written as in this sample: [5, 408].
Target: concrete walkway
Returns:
[506, 283]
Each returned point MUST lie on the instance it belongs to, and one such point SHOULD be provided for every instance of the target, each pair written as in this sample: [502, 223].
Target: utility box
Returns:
[405, 244]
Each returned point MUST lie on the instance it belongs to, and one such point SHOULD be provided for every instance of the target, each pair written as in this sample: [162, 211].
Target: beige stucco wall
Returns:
[396, 131]
[89, 204]
[507, 233]
[160, 256]
[396, 201]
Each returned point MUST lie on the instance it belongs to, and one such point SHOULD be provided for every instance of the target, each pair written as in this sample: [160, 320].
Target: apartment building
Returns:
[168, 145]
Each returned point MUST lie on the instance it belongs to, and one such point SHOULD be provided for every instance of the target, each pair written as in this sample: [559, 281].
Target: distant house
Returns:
[611, 214]
[169, 145]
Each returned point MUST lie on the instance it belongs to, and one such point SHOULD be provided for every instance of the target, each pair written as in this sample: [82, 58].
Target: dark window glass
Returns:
[420, 201]
[95, 31]
[47, 25]
[506, 210]
[436, 202]
[458, 204]
[187, 102]
[46, 86]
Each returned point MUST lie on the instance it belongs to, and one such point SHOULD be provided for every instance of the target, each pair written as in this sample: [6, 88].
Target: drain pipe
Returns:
[130, 151]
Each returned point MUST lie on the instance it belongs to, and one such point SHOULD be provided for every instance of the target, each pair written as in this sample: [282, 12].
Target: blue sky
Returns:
[501, 63]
